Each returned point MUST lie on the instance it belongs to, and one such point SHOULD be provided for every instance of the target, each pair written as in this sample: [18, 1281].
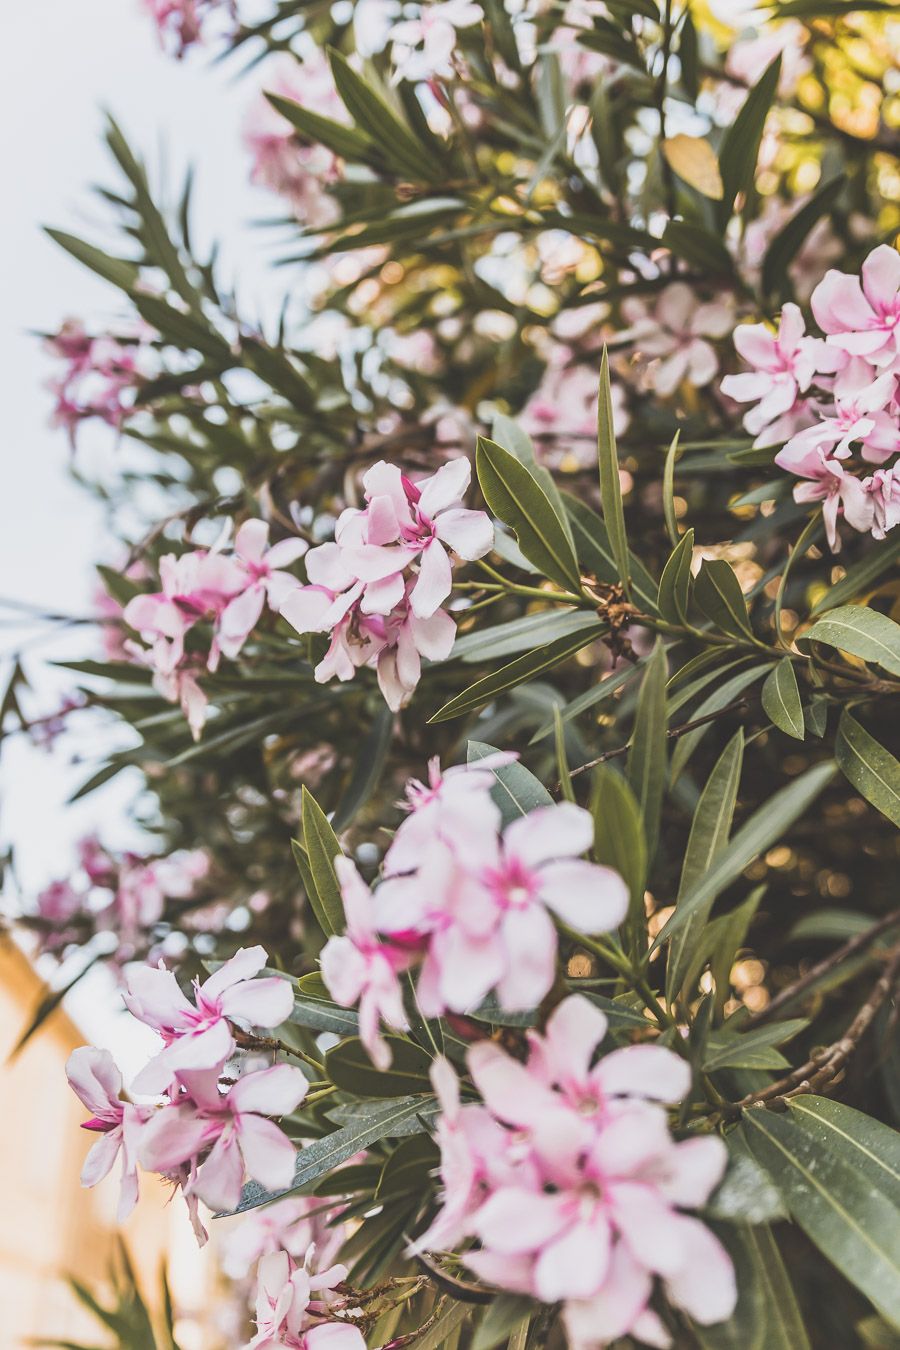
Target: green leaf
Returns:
[734, 1049]
[675, 582]
[719, 699]
[781, 699]
[765, 826]
[390, 1120]
[869, 766]
[602, 690]
[350, 1067]
[516, 791]
[503, 1316]
[619, 839]
[368, 768]
[873, 1148]
[789, 240]
[610, 486]
[322, 848]
[853, 1223]
[862, 632]
[669, 490]
[594, 550]
[647, 757]
[321, 1015]
[349, 142]
[524, 668]
[740, 146]
[746, 1194]
[718, 593]
[861, 577]
[699, 247]
[767, 1316]
[400, 148]
[710, 829]
[437, 1336]
[120, 271]
[524, 634]
[515, 495]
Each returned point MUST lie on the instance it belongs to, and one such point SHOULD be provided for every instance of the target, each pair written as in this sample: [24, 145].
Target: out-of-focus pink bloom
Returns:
[358, 968]
[750, 57]
[297, 172]
[197, 1035]
[422, 48]
[265, 582]
[574, 1186]
[884, 491]
[292, 1305]
[862, 317]
[100, 380]
[808, 266]
[831, 484]
[784, 364]
[561, 414]
[181, 22]
[96, 1081]
[59, 902]
[221, 1136]
[671, 340]
[292, 1225]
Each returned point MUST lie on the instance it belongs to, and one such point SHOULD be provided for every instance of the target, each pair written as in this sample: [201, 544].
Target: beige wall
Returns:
[49, 1225]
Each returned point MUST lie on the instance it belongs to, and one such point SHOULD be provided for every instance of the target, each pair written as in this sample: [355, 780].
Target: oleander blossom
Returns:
[294, 1307]
[101, 376]
[673, 337]
[422, 47]
[568, 1179]
[469, 904]
[379, 587]
[96, 1081]
[198, 1034]
[181, 23]
[300, 173]
[832, 402]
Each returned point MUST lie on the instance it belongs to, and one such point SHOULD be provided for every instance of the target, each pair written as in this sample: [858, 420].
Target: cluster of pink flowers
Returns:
[296, 1307]
[567, 1176]
[199, 1133]
[122, 894]
[181, 22]
[469, 903]
[379, 587]
[300, 173]
[229, 591]
[100, 379]
[833, 401]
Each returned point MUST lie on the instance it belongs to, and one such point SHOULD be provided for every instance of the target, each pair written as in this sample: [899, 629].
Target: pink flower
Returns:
[671, 339]
[288, 1315]
[563, 411]
[358, 968]
[100, 379]
[574, 1186]
[830, 484]
[181, 22]
[195, 586]
[94, 1078]
[862, 318]
[861, 417]
[265, 583]
[422, 47]
[197, 1035]
[884, 490]
[221, 1136]
[293, 1225]
[784, 366]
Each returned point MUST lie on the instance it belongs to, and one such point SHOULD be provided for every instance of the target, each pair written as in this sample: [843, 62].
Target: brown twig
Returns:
[800, 986]
[671, 734]
[820, 1072]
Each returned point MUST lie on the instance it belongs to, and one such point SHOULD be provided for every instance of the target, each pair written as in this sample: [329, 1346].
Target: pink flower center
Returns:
[512, 885]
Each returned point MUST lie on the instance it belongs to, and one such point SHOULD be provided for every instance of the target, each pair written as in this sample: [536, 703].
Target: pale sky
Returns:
[61, 63]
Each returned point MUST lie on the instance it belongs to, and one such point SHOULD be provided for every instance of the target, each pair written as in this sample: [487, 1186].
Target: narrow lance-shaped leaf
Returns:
[647, 759]
[740, 146]
[781, 700]
[764, 827]
[619, 840]
[516, 790]
[675, 582]
[610, 485]
[862, 632]
[322, 848]
[718, 593]
[710, 829]
[515, 495]
[869, 766]
[767, 1316]
[852, 1222]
